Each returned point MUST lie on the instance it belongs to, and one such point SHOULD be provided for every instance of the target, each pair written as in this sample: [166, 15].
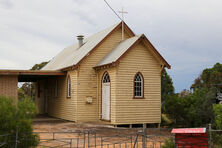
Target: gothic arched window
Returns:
[138, 85]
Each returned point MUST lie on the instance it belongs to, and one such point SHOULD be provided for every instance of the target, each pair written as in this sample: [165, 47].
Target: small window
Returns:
[56, 88]
[138, 85]
[68, 87]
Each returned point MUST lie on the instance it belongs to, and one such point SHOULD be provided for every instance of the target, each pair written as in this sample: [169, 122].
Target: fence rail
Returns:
[90, 139]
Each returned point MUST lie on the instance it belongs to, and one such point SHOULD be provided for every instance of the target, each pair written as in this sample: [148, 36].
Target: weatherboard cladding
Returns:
[144, 110]
[120, 49]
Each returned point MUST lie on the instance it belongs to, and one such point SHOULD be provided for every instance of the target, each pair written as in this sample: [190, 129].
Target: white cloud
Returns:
[188, 33]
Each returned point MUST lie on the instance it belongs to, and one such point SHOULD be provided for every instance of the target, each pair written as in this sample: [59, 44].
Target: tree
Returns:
[209, 78]
[17, 120]
[184, 93]
[39, 66]
[167, 88]
[193, 110]
[217, 108]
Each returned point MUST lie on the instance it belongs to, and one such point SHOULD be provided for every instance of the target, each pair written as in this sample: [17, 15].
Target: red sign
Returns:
[191, 138]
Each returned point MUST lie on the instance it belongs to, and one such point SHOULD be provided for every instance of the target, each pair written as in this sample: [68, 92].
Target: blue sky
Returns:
[188, 33]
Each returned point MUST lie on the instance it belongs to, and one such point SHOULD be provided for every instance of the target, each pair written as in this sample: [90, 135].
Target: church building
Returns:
[113, 76]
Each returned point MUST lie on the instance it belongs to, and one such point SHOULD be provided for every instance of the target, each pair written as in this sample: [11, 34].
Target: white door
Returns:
[106, 97]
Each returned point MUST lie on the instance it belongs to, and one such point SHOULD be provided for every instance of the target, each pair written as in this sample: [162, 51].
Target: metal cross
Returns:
[122, 22]
[122, 13]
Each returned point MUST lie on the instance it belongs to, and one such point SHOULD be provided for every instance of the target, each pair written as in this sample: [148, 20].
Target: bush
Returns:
[169, 143]
[17, 120]
[194, 110]
[217, 108]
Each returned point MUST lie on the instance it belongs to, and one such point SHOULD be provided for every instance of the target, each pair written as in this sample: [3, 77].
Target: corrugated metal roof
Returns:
[73, 54]
[119, 50]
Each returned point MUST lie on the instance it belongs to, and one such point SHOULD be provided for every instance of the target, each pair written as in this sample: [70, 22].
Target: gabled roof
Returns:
[119, 50]
[123, 47]
[73, 55]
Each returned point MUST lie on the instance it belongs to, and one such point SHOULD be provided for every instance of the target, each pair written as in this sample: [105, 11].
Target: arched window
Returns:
[138, 85]
[68, 87]
[106, 78]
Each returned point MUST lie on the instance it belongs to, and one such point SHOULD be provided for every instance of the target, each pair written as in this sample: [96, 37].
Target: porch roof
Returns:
[31, 75]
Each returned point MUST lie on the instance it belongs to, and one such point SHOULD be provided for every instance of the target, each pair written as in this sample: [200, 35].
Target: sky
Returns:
[188, 33]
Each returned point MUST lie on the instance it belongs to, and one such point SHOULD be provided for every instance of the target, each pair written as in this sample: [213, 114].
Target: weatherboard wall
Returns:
[145, 110]
[59, 106]
[62, 106]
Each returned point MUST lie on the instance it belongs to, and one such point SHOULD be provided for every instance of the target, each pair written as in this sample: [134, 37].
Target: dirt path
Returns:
[60, 133]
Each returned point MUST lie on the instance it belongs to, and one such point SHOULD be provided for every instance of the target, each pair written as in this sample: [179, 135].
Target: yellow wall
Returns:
[147, 110]
[60, 106]
[87, 78]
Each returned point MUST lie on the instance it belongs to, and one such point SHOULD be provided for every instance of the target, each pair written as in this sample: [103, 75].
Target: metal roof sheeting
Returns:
[73, 54]
[118, 51]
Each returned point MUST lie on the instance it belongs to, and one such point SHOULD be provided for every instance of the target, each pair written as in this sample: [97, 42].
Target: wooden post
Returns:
[210, 130]
[158, 125]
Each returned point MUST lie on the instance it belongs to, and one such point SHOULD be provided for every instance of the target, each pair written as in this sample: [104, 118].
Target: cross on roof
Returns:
[123, 13]
[122, 22]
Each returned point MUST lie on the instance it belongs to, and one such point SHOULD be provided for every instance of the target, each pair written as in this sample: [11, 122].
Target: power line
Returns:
[113, 10]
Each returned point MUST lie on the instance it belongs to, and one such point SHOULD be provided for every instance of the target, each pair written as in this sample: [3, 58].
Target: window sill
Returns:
[138, 97]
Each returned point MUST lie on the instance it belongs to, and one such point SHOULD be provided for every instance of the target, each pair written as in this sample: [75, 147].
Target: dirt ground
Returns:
[55, 132]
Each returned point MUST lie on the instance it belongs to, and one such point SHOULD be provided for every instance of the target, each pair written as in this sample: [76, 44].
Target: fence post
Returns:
[71, 143]
[144, 135]
[101, 142]
[16, 137]
[95, 139]
[210, 130]
[88, 139]
[84, 139]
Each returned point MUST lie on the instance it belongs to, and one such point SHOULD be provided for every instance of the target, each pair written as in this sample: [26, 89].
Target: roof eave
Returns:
[31, 72]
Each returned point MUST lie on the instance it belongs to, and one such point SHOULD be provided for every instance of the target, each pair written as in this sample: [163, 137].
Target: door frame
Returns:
[101, 83]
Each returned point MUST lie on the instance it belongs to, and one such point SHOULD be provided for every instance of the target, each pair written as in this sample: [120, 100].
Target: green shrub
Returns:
[217, 108]
[17, 120]
[169, 143]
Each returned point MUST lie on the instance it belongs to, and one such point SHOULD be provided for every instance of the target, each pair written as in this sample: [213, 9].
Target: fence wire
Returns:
[118, 138]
